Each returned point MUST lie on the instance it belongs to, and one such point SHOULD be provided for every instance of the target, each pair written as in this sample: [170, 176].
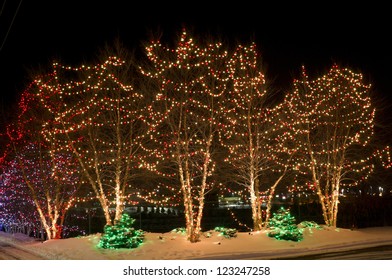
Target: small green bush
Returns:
[227, 232]
[282, 226]
[121, 235]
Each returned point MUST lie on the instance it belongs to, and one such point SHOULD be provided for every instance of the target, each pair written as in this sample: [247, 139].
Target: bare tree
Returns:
[248, 133]
[188, 82]
[40, 174]
[330, 122]
[100, 123]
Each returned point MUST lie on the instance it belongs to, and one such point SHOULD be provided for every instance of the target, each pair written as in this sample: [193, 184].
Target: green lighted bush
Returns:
[282, 226]
[181, 230]
[121, 235]
[309, 224]
[227, 232]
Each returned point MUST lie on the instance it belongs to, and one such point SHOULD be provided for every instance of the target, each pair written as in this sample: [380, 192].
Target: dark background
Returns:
[288, 36]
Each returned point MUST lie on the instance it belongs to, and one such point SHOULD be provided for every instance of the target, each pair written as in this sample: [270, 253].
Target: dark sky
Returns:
[287, 36]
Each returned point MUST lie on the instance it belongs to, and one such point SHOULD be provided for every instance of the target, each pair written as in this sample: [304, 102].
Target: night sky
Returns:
[287, 36]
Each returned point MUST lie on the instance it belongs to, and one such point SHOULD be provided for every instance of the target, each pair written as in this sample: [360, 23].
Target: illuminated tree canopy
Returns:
[330, 123]
[38, 174]
[157, 130]
[188, 83]
[99, 122]
[248, 135]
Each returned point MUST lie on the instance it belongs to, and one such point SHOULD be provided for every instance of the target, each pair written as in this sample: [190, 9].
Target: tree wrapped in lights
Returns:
[36, 172]
[282, 226]
[45, 181]
[100, 123]
[330, 122]
[189, 82]
[17, 211]
[248, 134]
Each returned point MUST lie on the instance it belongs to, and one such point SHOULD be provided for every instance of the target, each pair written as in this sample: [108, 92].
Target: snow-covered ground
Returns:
[170, 256]
[174, 246]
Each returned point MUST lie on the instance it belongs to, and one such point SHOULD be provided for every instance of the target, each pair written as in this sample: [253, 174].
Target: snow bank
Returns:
[174, 246]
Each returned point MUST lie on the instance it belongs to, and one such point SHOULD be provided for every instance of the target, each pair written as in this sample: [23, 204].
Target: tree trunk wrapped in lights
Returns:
[47, 181]
[41, 175]
[100, 123]
[188, 82]
[248, 135]
[330, 121]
